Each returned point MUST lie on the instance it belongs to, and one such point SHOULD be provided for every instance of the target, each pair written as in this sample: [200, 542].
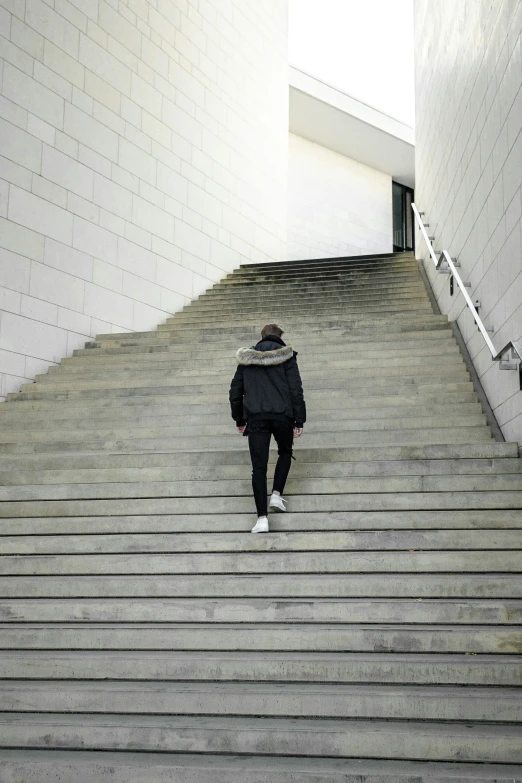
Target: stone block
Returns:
[5, 23]
[17, 57]
[101, 303]
[21, 240]
[42, 130]
[49, 191]
[188, 238]
[158, 132]
[68, 173]
[27, 39]
[53, 285]
[83, 208]
[149, 217]
[172, 183]
[10, 300]
[205, 204]
[39, 309]
[94, 241]
[74, 322]
[20, 147]
[12, 363]
[147, 317]
[40, 215]
[73, 14]
[107, 276]
[31, 338]
[112, 222]
[91, 133]
[95, 161]
[4, 197]
[12, 113]
[180, 122]
[104, 65]
[136, 259]
[141, 290]
[174, 277]
[112, 197]
[144, 95]
[137, 162]
[52, 26]
[119, 28]
[102, 92]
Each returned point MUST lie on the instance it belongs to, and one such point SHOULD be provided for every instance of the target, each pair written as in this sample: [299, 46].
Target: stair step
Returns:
[493, 519]
[412, 668]
[274, 585]
[266, 700]
[320, 351]
[153, 417]
[47, 766]
[439, 333]
[72, 408]
[313, 295]
[374, 636]
[240, 489]
[264, 562]
[482, 451]
[223, 471]
[284, 542]
[249, 314]
[260, 611]
[396, 377]
[268, 637]
[392, 501]
[399, 323]
[433, 436]
[222, 372]
[167, 365]
[129, 429]
[437, 741]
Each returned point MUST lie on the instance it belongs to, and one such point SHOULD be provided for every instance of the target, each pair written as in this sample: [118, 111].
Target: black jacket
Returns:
[267, 384]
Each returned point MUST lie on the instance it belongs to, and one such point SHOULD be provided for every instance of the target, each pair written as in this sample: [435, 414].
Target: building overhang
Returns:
[329, 117]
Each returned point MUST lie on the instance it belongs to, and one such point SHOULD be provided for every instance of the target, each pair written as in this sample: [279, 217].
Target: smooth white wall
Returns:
[469, 170]
[143, 149]
[336, 206]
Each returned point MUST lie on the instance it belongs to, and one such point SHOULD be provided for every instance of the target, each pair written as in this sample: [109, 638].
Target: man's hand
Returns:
[241, 429]
[298, 431]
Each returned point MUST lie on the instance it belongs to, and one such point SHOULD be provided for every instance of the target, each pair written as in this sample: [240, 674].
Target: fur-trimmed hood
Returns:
[249, 356]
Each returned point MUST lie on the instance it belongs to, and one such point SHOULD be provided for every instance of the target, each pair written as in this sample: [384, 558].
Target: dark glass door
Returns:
[403, 233]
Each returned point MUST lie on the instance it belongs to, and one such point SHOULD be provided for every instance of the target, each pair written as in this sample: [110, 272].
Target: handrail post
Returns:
[515, 347]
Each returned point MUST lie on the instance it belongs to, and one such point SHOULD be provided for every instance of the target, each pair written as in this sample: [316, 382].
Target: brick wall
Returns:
[336, 206]
[143, 148]
[469, 171]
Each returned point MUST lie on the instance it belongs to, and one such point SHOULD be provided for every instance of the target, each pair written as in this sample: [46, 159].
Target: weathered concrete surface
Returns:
[374, 636]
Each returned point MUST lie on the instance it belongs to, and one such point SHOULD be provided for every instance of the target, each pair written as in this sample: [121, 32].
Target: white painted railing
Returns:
[512, 347]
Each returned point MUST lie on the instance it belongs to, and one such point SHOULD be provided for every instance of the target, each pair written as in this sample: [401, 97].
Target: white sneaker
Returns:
[261, 526]
[277, 503]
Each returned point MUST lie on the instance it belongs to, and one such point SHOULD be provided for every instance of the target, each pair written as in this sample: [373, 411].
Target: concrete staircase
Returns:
[373, 637]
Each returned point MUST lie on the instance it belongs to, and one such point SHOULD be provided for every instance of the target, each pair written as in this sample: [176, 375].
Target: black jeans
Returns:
[259, 434]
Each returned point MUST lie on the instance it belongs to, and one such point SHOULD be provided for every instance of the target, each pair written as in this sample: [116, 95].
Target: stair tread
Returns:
[374, 635]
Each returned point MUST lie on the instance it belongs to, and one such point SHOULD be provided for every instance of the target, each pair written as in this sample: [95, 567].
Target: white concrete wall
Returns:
[469, 171]
[143, 148]
[336, 206]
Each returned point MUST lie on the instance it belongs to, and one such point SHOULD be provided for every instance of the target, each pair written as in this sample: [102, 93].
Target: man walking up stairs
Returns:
[375, 637]
[266, 398]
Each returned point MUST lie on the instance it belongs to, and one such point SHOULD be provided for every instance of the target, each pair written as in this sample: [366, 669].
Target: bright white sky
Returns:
[362, 47]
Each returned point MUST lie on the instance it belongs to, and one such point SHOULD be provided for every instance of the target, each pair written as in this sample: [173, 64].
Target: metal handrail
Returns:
[514, 347]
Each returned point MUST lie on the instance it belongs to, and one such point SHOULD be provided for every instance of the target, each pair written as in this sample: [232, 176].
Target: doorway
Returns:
[403, 233]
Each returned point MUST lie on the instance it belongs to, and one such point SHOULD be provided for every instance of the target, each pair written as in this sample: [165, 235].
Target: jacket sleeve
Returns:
[237, 389]
[296, 390]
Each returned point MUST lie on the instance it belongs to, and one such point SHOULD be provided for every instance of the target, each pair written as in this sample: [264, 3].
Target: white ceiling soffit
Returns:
[343, 124]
